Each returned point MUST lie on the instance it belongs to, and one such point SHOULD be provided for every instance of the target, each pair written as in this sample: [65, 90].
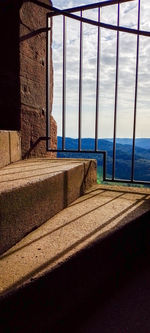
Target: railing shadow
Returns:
[92, 272]
[85, 238]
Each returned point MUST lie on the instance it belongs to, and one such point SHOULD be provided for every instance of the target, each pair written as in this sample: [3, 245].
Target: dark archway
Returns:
[9, 65]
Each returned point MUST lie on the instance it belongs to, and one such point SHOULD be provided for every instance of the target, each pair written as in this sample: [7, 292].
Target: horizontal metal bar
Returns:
[105, 25]
[127, 181]
[76, 151]
[91, 6]
[75, 9]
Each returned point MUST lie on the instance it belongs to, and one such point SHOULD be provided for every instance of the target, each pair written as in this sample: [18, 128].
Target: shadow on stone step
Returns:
[66, 292]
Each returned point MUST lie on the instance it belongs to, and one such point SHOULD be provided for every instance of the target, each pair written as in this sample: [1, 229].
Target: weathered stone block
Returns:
[4, 148]
[15, 146]
[34, 132]
[39, 193]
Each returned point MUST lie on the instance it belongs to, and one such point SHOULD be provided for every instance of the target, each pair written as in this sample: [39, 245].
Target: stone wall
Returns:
[33, 78]
[23, 89]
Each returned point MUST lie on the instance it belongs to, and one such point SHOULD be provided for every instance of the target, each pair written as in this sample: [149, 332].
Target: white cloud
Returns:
[127, 66]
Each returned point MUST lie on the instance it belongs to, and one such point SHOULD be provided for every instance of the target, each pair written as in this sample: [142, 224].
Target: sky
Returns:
[126, 76]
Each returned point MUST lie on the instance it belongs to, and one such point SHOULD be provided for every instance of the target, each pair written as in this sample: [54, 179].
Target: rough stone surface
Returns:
[33, 81]
[15, 146]
[10, 147]
[102, 211]
[34, 190]
[4, 148]
[23, 75]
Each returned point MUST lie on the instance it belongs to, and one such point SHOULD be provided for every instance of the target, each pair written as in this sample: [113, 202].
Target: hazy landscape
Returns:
[123, 156]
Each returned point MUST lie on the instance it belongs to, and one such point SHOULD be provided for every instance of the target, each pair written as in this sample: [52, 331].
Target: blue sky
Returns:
[126, 83]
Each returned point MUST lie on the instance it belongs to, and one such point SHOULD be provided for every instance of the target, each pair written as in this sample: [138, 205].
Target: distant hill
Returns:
[123, 155]
[140, 142]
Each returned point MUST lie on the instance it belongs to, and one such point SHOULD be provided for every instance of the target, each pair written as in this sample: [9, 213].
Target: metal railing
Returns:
[69, 13]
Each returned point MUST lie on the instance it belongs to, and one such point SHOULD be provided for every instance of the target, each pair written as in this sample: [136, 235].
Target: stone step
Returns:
[80, 250]
[32, 191]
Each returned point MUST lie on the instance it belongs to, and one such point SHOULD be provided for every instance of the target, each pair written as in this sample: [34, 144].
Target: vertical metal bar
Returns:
[80, 85]
[48, 80]
[116, 97]
[64, 86]
[104, 165]
[97, 84]
[135, 101]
